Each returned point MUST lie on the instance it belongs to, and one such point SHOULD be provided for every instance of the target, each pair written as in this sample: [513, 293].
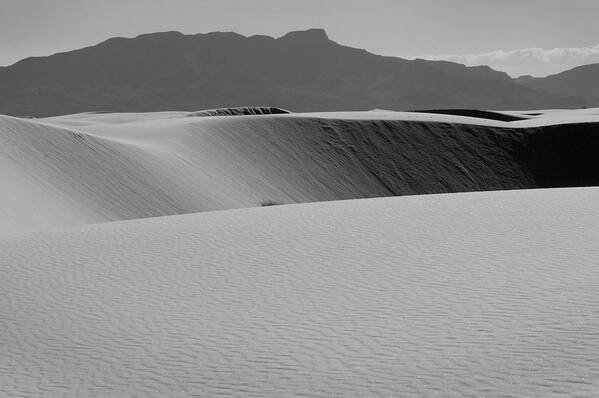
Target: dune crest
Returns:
[109, 167]
[240, 111]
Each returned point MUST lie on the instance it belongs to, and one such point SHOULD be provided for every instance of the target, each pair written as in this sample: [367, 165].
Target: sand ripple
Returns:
[489, 294]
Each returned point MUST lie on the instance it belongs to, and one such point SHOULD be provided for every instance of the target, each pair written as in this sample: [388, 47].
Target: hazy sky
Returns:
[390, 27]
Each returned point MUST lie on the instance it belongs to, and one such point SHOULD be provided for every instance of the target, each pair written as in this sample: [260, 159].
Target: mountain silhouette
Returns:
[300, 71]
[580, 81]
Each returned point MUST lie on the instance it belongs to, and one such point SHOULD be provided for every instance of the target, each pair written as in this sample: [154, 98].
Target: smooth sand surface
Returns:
[96, 167]
[477, 294]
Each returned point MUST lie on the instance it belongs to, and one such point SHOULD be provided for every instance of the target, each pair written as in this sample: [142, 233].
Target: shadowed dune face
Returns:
[154, 166]
[240, 111]
[503, 117]
[563, 155]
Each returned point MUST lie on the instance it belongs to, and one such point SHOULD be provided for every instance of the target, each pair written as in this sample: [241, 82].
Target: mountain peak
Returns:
[313, 35]
[302, 71]
[161, 35]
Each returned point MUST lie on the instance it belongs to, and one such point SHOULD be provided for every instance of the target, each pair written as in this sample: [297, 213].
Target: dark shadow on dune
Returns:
[394, 158]
[502, 117]
[328, 159]
[563, 155]
[241, 111]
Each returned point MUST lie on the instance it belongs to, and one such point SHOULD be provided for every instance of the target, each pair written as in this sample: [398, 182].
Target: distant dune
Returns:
[479, 294]
[96, 167]
[240, 111]
[503, 117]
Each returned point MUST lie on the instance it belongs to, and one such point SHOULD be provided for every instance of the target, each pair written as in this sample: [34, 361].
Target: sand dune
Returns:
[479, 294]
[500, 116]
[85, 168]
[241, 111]
[472, 294]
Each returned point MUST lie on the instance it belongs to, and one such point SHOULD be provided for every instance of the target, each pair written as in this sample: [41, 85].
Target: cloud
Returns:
[526, 61]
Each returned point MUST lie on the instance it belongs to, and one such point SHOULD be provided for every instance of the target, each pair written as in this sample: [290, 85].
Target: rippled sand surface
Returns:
[485, 294]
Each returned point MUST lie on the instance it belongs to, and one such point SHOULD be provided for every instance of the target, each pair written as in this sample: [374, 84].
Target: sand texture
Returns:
[475, 294]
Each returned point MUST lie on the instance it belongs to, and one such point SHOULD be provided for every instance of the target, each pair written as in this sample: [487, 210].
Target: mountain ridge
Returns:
[299, 71]
[582, 80]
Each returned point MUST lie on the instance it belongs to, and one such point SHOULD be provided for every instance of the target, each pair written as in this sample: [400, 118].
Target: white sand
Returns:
[96, 167]
[484, 294]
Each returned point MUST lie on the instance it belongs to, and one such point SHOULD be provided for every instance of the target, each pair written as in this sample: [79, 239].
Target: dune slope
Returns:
[92, 168]
[474, 294]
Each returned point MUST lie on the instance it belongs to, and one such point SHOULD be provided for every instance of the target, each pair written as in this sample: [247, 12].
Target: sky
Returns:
[536, 37]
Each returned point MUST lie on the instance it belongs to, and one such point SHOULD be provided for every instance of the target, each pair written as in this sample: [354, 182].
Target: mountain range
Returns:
[300, 71]
[580, 81]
